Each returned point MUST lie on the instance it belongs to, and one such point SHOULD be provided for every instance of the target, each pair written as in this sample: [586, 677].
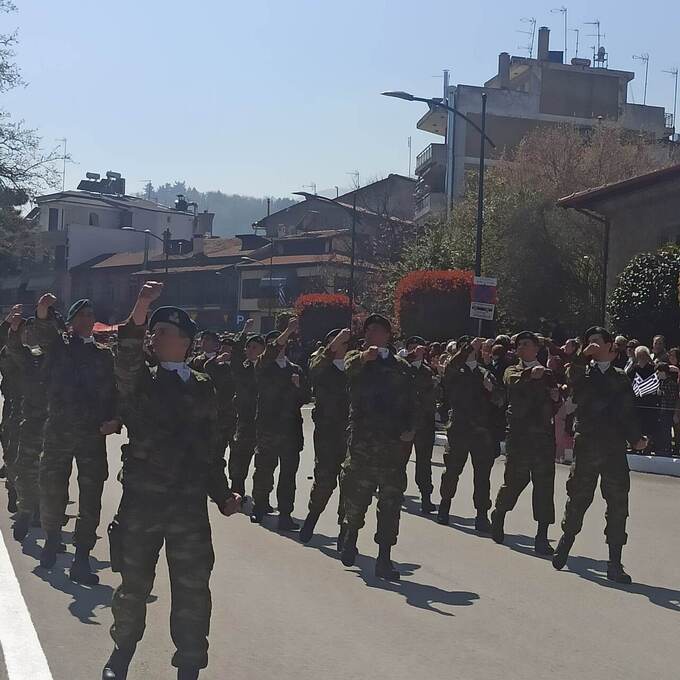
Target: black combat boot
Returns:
[307, 530]
[443, 512]
[11, 500]
[562, 553]
[497, 526]
[426, 504]
[482, 524]
[615, 571]
[81, 571]
[286, 523]
[187, 673]
[349, 547]
[257, 515]
[541, 544]
[116, 668]
[383, 565]
[48, 555]
[22, 524]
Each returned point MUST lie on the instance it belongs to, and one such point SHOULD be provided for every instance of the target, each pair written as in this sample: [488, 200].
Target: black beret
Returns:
[210, 334]
[527, 335]
[414, 340]
[255, 338]
[597, 330]
[271, 336]
[176, 317]
[464, 340]
[330, 336]
[378, 319]
[227, 340]
[76, 307]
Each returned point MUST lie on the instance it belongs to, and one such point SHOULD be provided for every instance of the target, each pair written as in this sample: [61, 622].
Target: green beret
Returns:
[414, 340]
[527, 335]
[255, 338]
[176, 317]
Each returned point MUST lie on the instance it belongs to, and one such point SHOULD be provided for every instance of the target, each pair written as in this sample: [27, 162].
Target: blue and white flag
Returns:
[642, 387]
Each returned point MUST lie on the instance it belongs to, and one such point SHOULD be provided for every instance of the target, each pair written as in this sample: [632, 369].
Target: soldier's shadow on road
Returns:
[596, 572]
[86, 599]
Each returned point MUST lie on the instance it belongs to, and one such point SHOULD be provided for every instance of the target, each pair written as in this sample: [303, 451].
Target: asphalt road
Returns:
[465, 608]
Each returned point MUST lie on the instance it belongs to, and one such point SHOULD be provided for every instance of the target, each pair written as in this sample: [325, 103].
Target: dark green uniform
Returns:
[11, 417]
[530, 443]
[198, 362]
[245, 401]
[330, 414]
[471, 430]
[278, 426]
[426, 404]
[81, 395]
[223, 380]
[30, 363]
[605, 420]
[382, 408]
[171, 464]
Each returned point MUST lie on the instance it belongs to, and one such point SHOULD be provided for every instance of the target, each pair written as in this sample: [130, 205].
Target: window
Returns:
[53, 220]
[94, 219]
[250, 288]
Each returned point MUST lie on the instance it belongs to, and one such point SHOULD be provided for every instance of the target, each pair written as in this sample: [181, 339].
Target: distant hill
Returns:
[233, 213]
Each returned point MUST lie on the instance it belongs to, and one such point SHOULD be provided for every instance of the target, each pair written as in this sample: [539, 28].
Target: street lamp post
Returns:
[148, 233]
[355, 219]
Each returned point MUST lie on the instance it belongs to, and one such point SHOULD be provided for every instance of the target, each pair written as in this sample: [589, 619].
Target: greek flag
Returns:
[642, 387]
[282, 296]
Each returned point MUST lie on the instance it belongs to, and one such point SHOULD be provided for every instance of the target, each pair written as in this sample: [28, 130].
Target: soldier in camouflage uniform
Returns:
[210, 345]
[171, 465]
[244, 352]
[381, 431]
[331, 410]
[533, 399]
[219, 370]
[30, 362]
[472, 392]
[281, 391]
[81, 398]
[426, 404]
[605, 421]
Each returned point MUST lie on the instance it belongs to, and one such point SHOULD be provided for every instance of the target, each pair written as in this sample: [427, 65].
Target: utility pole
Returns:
[577, 31]
[409, 155]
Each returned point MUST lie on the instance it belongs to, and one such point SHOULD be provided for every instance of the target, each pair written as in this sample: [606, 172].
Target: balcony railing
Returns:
[434, 154]
[430, 203]
[670, 121]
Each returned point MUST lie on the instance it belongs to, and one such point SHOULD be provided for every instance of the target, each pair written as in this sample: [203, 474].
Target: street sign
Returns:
[482, 310]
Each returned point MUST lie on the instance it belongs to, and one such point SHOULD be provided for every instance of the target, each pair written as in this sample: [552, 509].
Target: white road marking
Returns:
[24, 657]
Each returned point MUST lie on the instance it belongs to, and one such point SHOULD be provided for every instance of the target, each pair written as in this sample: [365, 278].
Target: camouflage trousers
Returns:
[529, 458]
[10, 443]
[274, 449]
[361, 479]
[241, 452]
[330, 451]
[424, 444]
[59, 450]
[27, 465]
[147, 521]
[480, 446]
[607, 462]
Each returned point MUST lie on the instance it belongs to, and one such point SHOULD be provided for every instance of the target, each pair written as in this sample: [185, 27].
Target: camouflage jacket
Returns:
[172, 426]
[425, 380]
[382, 397]
[604, 403]
[278, 400]
[530, 406]
[223, 380]
[30, 367]
[331, 406]
[81, 388]
[245, 386]
[198, 362]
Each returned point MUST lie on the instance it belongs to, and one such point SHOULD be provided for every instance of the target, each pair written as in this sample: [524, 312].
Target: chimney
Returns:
[198, 243]
[543, 43]
[504, 69]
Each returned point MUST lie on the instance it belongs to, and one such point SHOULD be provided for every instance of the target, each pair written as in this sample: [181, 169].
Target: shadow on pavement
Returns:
[596, 572]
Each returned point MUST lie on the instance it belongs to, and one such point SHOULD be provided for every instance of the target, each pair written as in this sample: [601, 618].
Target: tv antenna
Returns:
[644, 57]
[355, 176]
[563, 11]
[674, 72]
[577, 31]
[311, 186]
[531, 33]
[63, 141]
[599, 35]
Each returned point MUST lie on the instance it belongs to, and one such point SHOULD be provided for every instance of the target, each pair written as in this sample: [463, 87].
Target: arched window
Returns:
[94, 219]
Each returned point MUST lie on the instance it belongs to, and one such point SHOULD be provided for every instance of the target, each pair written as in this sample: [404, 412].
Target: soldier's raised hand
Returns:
[248, 324]
[340, 339]
[46, 301]
[14, 318]
[537, 372]
[370, 354]
[150, 291]
[293, 325]
[488, 384]
[591, 350]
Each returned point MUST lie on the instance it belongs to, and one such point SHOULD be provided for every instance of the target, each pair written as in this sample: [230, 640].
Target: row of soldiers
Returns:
[371, 408]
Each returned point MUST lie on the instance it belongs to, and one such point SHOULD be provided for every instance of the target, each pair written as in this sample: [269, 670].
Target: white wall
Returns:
[85, 242]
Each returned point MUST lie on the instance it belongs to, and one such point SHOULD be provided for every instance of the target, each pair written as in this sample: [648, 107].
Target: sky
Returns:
[266, 97]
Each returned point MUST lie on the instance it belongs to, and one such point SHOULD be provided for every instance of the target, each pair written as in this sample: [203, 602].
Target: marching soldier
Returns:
[210, 345]
[219, 370]
[281, 391]
[533, 399]
[171, 464]
[605, 421]
[81, 398]
[331, 410]
[472, 392]
[381, 431]
[244, 352]
[426, 404]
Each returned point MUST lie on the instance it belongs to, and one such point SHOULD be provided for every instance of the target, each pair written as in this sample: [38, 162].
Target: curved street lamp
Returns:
[147, 232]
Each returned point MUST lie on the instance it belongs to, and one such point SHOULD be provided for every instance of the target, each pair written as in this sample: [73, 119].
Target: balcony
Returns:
[430, 205]
[434, 154]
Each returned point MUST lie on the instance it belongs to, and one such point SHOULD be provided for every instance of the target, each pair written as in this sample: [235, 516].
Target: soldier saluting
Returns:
[605, 421]
[171, 464]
